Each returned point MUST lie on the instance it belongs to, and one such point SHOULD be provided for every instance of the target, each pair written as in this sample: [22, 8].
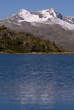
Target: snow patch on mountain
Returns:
[33, 17]
[64, 24]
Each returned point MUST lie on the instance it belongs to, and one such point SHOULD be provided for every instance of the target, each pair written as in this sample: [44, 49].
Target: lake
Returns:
[36, 82]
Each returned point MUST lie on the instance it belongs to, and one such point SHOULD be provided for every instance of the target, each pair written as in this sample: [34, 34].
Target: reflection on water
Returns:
[39, 82]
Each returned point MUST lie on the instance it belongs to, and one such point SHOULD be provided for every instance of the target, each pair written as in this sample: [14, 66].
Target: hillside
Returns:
[20, 42]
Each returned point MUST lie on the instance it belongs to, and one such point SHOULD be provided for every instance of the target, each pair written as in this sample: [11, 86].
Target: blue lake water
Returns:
[36, 82]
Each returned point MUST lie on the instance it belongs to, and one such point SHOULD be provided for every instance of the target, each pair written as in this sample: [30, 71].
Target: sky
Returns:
[9, 7]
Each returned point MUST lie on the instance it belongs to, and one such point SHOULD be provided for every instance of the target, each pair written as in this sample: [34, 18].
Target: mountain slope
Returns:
[19, 42]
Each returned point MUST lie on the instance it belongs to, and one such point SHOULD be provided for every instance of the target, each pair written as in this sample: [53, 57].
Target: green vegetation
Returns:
[20, 42]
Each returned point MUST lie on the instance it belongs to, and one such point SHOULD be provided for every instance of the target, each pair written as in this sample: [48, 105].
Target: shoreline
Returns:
[41, 53]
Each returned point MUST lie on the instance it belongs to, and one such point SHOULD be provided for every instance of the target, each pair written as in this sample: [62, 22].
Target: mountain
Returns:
[49, 16]
[47, 24]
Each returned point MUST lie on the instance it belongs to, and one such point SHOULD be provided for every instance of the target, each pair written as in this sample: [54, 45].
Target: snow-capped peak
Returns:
[48, 16]
[23, 12]
[40, 16]
[52, 12]
[49, 13]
